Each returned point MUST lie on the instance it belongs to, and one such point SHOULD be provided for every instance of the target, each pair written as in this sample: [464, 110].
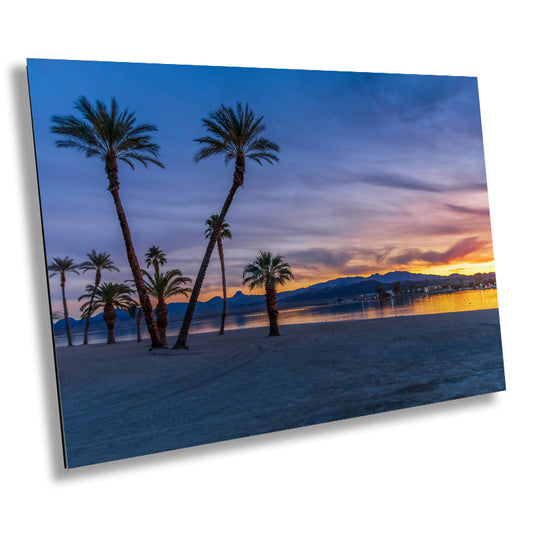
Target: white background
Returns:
[460, 466]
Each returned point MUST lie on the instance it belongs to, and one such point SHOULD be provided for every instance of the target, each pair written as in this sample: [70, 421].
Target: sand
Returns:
[121, 400]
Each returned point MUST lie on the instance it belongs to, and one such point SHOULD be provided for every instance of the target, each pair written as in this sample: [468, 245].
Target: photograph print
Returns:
[237, 251]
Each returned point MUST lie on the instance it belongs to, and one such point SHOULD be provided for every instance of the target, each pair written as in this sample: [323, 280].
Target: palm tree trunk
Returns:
[224, 292]
[181, 342]
[87, 320]
[65, 310]
[97, 279]
[110, 315]
[272, 310]
[161, 313]
[112, 175]
[139, 324]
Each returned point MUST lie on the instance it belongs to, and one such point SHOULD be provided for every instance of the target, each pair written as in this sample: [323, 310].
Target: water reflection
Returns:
[402, 305]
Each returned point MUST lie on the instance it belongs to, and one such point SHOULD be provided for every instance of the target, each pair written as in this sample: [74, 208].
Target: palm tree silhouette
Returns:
[97, 262]
[224, 233]
[162, 286]
[62, 266]
[235, 134]
[156, 257]
[268, 272]
[110, 296]
[113, 136]
[135, 311]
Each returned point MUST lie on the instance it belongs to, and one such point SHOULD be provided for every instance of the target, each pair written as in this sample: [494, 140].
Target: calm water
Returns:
[396, 306]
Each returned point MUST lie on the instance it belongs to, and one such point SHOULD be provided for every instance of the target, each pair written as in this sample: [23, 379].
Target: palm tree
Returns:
[97, 262]
[235, 134]
[268, 272]
[135, 311]
[62, 266]
[110, 296]
[113, 136]
[155, 256]
[162, 286]
[224, 233]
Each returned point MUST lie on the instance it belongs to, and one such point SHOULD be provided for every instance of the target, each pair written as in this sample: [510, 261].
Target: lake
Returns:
[403, 305]
[395, 306]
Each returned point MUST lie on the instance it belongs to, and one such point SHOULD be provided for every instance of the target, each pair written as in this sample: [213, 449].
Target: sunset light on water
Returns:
[395, 306]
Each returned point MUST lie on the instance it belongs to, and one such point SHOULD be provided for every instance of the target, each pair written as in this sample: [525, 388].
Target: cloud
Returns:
[309, 259]
[424, 180]
[361, 270]
[412, 183]
[377, 254]
[397, 181]
[459, 250]
[380, 257]
[469, 210]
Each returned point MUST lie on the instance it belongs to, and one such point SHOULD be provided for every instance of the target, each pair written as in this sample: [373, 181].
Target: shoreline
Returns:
[174, 332]
[172, 337]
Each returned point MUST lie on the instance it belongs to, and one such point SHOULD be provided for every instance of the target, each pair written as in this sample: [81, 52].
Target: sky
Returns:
[377, 173]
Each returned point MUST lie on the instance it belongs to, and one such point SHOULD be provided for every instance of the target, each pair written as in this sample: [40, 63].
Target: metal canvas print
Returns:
[235, 251]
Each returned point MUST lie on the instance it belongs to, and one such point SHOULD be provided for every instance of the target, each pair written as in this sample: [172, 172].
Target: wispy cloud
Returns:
[319, 257]
[397, 181]
[459, 250]
[483, 211]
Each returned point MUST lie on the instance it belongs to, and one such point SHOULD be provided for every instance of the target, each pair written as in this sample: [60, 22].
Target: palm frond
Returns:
[98, 261]
[224, 232]
[155, 255]
[64, 265]
[164, 285]
[267, 270]
[102, 132]
[235, 132]
[89, 293]
[115, 294]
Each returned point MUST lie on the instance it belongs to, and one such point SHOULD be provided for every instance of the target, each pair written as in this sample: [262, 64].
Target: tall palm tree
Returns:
[110, 296]
[62, 266]
[162, 286]
[155, 256]
[268, 272]
[235, 134]
[135, 311]
[224, 233]
[113, 136]
[97, 262]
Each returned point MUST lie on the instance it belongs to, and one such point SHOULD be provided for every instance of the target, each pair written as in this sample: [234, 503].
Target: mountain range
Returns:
[320, 293]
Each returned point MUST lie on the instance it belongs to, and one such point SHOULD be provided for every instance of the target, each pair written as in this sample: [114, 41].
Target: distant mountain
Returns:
[319, 293]
[392, 277]
[61, 323]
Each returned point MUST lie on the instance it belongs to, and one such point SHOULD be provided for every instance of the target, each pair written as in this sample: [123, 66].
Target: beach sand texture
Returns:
[121, 400]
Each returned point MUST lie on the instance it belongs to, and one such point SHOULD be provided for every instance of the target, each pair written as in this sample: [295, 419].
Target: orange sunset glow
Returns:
[377, 173]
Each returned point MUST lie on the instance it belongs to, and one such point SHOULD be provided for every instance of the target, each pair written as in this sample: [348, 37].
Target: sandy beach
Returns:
[121, 400]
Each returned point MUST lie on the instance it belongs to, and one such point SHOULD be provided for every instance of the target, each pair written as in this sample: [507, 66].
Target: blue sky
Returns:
[377, 172]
